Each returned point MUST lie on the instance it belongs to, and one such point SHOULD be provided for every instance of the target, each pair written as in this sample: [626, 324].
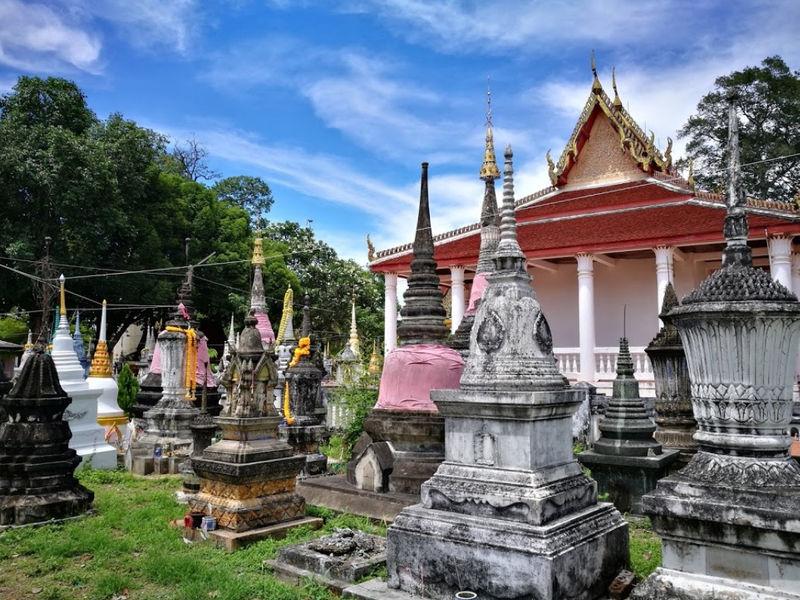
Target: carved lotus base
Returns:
[252, 513]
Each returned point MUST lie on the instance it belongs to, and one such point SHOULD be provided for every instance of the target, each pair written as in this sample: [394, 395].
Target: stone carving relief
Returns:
[491, 333]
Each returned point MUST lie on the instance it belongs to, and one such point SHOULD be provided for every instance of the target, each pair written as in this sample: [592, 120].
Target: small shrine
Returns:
[349, 367]
[247, 479]
[675, 424]
[303, 408]
[728, 520]
[627, 460]
[509, 513]
[109, 414]
[37, 466]
[88, 438]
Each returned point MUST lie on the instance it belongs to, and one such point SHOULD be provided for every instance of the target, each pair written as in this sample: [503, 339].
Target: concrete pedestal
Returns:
[306, 439]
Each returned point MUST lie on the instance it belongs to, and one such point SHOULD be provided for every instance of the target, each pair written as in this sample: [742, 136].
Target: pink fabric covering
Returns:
[479, 285]
[264, 328]
[411, 372]
[202, 358]
[155, 364]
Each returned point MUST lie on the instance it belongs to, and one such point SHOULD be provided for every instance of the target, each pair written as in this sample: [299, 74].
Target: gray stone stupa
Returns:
[730, 519]
[37, 466]
[627, 460]
[509, 513]
[675, 424]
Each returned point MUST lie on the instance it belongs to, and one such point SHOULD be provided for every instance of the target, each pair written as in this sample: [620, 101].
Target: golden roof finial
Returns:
[374, 367]
[690, 176]
[596, 86]
[63, 302]
[551, 168]
[489, 170]
[617, 101]
[370, 249]
[258, 251]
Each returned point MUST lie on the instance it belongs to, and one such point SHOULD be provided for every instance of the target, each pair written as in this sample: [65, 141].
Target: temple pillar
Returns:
[457, 297]
[780, 259]
[390, 312]
[586, 332]
[663, 272]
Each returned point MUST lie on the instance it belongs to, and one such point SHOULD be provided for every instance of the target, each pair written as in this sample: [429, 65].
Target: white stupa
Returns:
[88, 438]
[109, 415]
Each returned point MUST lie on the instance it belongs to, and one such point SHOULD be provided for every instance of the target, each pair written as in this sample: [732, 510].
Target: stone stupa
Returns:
[729, 519]
[37, 466]
[627, 460]
[88, 438]
[509, 513]
[404, 440]
[248, 478]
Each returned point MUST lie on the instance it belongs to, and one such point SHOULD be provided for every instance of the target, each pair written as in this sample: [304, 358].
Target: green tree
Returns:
[768, 99]
[330, 282]
[250, 193]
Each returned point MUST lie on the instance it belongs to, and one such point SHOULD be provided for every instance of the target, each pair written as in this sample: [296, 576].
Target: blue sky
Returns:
[335, 104]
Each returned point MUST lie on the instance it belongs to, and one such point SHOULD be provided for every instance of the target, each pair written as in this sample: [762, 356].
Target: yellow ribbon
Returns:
[190, 365]
[287, 409]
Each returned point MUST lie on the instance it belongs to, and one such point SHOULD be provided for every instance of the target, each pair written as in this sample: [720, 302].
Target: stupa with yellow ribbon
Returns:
[167, 438]
[109, 414]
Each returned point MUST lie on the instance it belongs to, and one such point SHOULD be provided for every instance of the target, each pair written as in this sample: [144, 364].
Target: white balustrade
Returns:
[568, 360]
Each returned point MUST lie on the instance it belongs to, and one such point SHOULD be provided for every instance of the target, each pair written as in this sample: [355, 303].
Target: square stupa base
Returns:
[667, 584]
[336, 493]
[435, 554]
[232, 541]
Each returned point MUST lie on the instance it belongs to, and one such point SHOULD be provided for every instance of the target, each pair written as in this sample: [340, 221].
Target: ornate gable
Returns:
[618, 135]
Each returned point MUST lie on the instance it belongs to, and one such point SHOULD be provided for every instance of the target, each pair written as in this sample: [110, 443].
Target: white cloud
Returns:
[34, 37]
[6, 85]
[455, 25]
[150, 23]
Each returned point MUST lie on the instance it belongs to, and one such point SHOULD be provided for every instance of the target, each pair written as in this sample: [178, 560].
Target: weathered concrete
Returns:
[336, 493]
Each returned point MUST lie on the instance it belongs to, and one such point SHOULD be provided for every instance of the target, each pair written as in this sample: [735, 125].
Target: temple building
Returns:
[617, 223]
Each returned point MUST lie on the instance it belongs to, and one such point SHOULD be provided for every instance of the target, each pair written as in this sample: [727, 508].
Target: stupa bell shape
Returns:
[109, 414]
[88, 438]
[257, 300]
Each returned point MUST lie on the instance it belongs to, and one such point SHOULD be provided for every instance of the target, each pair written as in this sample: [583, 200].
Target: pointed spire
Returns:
[374, 367]
[489, 171]
[355, 345]
[617, 101]
[62, 299]
[77, 333]
[257, 300]
[690, 176]
[305, 327]
[596, 85]
[231, 332]
[736, 230]
[423, 313]
[101, 362]
[670, 300]
[286, 328]
[29, 342]
[509, 254]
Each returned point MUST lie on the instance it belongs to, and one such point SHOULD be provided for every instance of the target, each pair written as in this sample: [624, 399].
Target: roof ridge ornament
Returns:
[617, 102]
[597, 87]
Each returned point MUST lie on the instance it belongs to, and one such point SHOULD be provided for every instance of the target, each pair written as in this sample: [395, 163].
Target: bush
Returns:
[359, 401]
[128, 388]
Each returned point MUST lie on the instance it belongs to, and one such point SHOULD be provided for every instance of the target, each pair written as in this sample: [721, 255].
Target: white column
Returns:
[780, 259]
[796, 272]
[390, 312]
[586, 315]
[456, 297]
[663, 272]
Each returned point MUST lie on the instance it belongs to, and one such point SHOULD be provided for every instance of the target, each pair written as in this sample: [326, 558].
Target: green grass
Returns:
[128, 550]
[645, 547]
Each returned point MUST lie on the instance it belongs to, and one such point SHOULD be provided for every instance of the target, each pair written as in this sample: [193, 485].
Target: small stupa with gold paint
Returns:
[109, 414]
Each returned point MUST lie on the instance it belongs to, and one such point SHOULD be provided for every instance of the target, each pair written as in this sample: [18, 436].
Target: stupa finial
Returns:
[305, 328]
[736, 252]
[508, 248]
[101, 361]
[62, 297]
[355, 344]
[489, 171]
[624, 360]
[258, 251]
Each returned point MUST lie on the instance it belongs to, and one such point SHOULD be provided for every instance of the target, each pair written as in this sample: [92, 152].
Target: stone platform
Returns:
[232, 540]
[336, 561]
[336, 493]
